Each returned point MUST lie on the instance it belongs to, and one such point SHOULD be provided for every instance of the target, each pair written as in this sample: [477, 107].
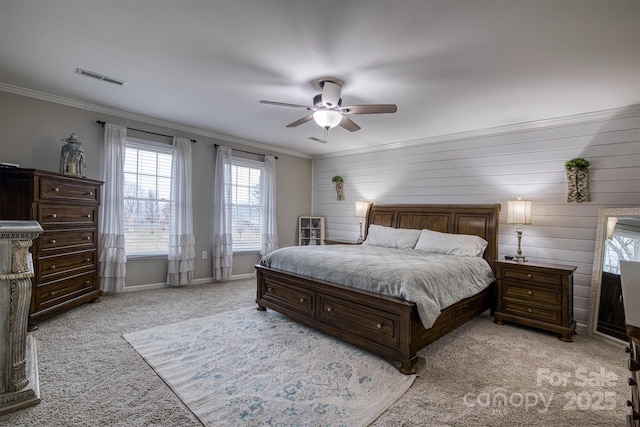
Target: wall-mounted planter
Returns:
[577, 180]
[339, 187]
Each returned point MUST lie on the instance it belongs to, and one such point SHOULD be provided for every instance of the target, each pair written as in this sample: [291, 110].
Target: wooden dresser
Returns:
[66, 255]
[633, 419]
[537, 295]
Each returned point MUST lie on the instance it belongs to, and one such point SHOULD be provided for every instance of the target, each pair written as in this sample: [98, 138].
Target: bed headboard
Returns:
[480, 220]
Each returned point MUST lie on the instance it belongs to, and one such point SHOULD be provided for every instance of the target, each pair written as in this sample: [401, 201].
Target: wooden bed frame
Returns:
[384, 325]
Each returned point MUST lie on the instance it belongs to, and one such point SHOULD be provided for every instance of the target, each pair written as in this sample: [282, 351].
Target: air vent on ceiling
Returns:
[98, 76]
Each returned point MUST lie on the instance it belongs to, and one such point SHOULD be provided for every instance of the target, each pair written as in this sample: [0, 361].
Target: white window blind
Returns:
[147, 181]
[247, 204]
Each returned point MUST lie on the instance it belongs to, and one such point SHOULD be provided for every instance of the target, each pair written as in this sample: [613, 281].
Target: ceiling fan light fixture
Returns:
[327, 119]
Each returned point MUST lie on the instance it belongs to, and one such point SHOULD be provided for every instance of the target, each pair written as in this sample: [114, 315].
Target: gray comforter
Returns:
[432, 281]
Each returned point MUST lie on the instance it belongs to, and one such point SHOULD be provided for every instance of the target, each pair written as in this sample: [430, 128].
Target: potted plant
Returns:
[577, 179]
[339, 186]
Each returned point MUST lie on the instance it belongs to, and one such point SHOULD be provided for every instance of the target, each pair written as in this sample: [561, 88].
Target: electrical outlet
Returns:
[204, 254]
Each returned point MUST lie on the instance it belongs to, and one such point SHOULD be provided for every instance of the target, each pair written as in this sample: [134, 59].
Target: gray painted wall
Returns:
[496, 165]
[30, 133]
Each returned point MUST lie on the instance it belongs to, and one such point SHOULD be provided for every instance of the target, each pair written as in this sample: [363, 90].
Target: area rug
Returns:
[253, 368]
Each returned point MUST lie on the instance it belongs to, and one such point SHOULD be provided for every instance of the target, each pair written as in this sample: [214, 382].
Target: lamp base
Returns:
[519, 258]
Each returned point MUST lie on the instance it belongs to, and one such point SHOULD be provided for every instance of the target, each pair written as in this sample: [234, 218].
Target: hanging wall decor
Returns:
[72, 157]
[339, 187]
[577, 180]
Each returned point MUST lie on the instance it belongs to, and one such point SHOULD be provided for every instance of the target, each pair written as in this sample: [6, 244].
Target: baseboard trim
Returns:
[202, 281]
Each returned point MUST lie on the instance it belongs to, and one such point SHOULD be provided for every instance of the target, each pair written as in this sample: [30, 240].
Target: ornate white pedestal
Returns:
[19, 385]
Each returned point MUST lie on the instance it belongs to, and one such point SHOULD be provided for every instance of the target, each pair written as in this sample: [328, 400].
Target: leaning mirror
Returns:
[617, 238]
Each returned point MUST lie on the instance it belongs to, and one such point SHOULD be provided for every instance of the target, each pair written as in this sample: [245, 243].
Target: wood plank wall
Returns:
[494, 166]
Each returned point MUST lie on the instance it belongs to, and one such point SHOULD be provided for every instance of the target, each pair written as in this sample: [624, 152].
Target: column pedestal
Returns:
[19, 384]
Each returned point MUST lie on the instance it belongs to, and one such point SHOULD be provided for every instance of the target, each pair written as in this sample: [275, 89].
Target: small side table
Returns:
[536, 294]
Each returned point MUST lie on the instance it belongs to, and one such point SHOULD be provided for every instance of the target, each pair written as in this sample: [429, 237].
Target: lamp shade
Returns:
[327, 118]
[361, 208]
[519, 211]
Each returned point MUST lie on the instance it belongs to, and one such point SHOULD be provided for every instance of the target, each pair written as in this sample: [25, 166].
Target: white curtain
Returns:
[112, 262]
[222, 253]
[182, 252]
[269, 226]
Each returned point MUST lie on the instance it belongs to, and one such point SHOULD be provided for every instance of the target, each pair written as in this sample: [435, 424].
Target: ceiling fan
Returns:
[327, 110]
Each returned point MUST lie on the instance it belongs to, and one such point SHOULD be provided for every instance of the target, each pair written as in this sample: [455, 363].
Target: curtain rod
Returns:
[242, 151]
[101, 123]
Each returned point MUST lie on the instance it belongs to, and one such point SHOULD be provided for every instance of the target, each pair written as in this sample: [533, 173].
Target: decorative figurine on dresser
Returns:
[537, 295]
[19, 387]
[65, 257]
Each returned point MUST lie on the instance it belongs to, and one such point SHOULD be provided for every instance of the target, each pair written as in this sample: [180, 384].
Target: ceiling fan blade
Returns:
[284, 104]
[349, 124]
[369, 109]
[300, 121]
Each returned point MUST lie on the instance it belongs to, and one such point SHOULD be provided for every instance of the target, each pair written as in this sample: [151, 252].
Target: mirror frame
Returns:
[598, 253]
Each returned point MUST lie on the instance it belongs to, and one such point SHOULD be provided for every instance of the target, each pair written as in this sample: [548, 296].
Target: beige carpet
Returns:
[90, 376]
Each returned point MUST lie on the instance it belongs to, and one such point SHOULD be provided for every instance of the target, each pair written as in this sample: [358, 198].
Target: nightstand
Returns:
[341, 242]
[536, 294]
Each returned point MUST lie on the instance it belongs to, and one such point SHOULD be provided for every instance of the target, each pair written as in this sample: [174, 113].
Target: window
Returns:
[246, 204]
[147, 198]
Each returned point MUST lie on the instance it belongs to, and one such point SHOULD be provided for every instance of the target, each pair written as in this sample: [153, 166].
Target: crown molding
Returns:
[43, 96]
[582, 118]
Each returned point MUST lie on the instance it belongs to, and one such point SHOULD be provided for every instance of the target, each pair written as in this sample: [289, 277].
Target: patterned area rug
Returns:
[252, 368]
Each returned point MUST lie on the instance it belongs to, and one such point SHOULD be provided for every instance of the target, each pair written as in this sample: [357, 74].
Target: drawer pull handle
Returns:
[529, 292]
[56, 189]
[88, 215]
[88, 259]
[269, 289]
[379, 325]
[329, 309]
[87, 282]
[529, 310]
[53, 267]
[52, 241]
[52, 293]
[88, 237]
[54, 215]
[302, 299]
[90, 193]
[529, 276]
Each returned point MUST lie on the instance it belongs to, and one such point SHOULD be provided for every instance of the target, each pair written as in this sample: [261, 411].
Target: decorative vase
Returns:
[72, 157]
[578, 185]
[340, 190]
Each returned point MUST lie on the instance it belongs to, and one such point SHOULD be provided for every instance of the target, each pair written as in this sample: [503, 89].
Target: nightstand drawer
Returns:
[532, 293]
[530, 311]
[524, 275]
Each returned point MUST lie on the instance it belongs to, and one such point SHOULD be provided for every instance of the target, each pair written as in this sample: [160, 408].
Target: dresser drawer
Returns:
[53, 241]
[64, 264]
[50, 215]
[523, 275]
[293, 298]
[532, 311]
[374, 325]
[514, 291]
[61, 290]
[60, 189]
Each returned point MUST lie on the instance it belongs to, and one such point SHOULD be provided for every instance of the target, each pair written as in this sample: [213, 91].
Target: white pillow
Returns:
[451, 244]
[389, 237]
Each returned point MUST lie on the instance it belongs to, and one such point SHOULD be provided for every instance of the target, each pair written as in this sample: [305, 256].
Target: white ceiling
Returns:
[449, 65]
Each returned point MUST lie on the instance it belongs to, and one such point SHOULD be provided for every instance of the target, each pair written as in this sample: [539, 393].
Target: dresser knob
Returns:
[88, 237]
[53, 267]
[529, 276]
[329, 309]
[54, 216]
[52, 241]
[632, 382]
[529, 310]
[379, 325]
[56, 189]
[88, 259]
[88, 215]
[87, 282]
[52, 293]
[269, 289]
[90, 193]
[302, 299]
[529, 292]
